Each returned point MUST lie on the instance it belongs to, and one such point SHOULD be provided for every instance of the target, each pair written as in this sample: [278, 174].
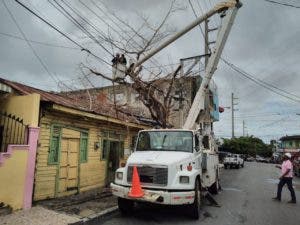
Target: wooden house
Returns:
[80, 143]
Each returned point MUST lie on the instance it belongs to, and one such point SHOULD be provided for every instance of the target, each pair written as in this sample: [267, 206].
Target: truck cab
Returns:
[173, 166]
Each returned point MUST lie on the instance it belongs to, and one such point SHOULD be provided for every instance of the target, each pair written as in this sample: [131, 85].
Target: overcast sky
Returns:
[264, 41]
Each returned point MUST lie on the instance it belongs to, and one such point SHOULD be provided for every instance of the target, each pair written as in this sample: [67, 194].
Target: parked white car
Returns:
[233, 161]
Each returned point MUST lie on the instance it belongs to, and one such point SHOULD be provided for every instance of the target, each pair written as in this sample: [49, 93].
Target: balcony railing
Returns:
[12, 131]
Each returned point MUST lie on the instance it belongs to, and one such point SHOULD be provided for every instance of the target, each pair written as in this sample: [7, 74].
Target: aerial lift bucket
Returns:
[136, 189]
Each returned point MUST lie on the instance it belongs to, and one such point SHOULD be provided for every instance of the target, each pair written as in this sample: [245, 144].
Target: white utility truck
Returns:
[176, 166]
[233, 160]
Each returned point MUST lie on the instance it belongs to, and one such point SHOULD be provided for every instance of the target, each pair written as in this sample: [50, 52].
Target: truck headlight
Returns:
[184, 179]
[119, 175]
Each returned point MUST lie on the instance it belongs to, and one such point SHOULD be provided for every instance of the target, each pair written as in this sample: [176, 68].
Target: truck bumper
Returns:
[156, 196]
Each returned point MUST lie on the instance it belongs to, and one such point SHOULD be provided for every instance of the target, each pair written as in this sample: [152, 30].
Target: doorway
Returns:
[69, 161]
[112, 153]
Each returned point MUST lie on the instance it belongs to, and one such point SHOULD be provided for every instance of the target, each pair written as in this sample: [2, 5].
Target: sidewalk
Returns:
[64, 210]
[37, 216]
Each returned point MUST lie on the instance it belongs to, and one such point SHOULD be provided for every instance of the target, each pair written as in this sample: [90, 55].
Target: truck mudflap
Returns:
[156, 196]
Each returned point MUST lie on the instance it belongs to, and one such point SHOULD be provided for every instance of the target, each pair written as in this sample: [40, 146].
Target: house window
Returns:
[105, 149]
[54, 145]
[119, 97]
[83, 146]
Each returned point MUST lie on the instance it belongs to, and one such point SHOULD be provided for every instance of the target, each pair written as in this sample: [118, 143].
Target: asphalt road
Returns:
[246, 199]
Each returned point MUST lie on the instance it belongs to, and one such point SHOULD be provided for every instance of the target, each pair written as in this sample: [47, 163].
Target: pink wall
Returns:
[33, 135]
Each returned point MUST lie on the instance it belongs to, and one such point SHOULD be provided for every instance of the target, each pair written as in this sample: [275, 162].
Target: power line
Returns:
[196, 17]
[62, 33]
[78, 25]
[112, 15]
[37, 42]
[29, 44]
[263, 84]
[273, 86]
[282, 3]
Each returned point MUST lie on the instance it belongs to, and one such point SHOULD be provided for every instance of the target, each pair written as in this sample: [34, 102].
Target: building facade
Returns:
[80, 143]
[183, 94]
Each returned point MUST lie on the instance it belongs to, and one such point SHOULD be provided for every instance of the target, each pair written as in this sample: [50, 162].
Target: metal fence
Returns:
[12, 131]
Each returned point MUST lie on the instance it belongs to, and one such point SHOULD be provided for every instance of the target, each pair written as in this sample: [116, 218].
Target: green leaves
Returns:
[247, 145]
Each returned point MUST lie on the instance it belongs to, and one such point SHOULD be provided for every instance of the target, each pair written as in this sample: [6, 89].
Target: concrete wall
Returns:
[17, 172]
[25, 107]
[12, 177]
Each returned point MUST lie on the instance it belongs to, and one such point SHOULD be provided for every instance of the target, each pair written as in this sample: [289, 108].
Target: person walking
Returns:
[286, 178]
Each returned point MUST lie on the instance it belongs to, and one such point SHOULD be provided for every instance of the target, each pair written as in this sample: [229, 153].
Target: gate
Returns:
[12, 131]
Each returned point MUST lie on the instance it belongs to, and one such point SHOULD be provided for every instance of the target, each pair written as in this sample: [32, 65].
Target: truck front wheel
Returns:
[195, 207]
[125, 205]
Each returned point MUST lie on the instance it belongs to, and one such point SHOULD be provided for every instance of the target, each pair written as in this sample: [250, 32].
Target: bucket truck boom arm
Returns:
[198, 103]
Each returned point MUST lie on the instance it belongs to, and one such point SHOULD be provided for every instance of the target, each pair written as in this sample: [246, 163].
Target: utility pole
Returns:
[232, 114]
[243, 128]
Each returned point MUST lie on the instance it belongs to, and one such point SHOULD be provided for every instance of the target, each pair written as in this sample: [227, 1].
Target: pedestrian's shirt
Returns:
[285, 166]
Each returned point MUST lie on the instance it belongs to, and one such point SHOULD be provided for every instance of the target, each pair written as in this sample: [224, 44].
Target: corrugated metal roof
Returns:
[81, 103]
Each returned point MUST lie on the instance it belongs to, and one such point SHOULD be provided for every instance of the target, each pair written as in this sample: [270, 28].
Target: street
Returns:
[246, 198]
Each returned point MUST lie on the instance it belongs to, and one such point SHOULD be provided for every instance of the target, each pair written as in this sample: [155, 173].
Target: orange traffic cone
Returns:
[136, 189]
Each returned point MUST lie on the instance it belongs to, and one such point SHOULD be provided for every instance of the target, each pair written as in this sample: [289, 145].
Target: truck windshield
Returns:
[165, 141]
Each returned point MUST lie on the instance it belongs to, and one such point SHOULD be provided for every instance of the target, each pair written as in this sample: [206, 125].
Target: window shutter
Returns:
[54, 145]
[104, 149]
[83, 147]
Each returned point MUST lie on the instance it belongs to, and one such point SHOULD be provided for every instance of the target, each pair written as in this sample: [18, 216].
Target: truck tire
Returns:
[225, 166]
[125, 205]
[243, 165]
[237, 166]
[195, 208]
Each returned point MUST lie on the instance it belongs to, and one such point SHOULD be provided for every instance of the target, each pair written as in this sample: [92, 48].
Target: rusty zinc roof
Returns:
[80, 103]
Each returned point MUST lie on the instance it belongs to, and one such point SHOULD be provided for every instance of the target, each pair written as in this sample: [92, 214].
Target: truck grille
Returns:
[150, 175]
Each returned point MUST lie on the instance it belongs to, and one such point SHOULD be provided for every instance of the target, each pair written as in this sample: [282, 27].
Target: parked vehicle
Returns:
[250, 159]
[261, 159]
[172, 167]
[233, 161]
[176, 166]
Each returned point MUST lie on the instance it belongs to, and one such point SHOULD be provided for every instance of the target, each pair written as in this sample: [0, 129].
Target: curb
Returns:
[96, 217]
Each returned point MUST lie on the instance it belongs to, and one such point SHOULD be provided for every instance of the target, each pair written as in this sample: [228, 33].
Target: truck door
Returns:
[197, 149]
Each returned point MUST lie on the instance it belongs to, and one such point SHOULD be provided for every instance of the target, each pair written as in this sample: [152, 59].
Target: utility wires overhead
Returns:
[38, 42]
[282, 3]
[29, 44]
[262, 83]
